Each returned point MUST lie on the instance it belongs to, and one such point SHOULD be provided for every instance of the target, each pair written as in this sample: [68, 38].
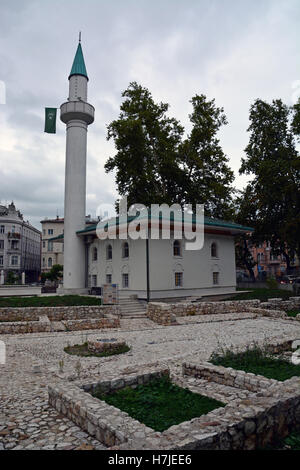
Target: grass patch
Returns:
[51, 301]
[291, 442]
[258, 361]
[263, 294]
[293, 313]
[82, 350]
[160, 404]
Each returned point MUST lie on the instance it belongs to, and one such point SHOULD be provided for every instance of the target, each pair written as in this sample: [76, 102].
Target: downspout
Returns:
[147, 269]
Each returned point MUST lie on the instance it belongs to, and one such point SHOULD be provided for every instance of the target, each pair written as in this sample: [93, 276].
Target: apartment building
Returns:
[52, 252]
[20, 245]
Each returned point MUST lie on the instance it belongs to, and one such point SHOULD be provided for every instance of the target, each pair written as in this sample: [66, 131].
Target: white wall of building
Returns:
[197, 267]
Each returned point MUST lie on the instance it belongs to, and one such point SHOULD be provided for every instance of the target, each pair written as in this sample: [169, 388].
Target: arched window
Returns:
[95, 254]
[125, 250]
[109, 252]
[177, 248]
[214, 250]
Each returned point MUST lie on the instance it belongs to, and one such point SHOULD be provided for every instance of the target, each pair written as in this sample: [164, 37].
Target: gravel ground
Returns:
[26, 420]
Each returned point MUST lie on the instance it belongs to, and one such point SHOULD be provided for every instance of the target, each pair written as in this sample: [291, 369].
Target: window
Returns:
[125, 280]
[44, 232]
[44, 244]
[214, 250]
[1, 260]
[14, 245]
[95, 254]
[94, 280]
[177, 248]
[13, 229]
[2, 228]
[50, 231]
[215, 279]
[1, 244]
[14, 260]
[50, 246]
[109, 252]
[125, 250]
[178, 279]
[108, 279]
[44, 262]
[49, 262]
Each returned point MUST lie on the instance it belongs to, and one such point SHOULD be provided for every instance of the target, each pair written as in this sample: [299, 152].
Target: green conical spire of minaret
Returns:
[78, 67]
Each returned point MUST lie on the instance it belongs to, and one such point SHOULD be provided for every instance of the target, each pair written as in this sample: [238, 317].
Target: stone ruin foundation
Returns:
[98, 346]
[257, 412]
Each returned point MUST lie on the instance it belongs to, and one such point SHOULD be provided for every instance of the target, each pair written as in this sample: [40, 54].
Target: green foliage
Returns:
[155, 165]
[146, 140]
[54, 274]
[49, 301]
[82, 350]
[293, 313]
[293, 441]
[263, 294]
[257, 360]
[272, 283]
[11, 278]
[272, 198]
[208, 177]
[160, 404]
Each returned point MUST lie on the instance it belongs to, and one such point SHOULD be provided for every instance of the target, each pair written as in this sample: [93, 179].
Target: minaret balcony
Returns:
[77, 110]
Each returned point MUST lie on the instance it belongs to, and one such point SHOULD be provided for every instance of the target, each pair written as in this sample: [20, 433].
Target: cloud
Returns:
[229, 50]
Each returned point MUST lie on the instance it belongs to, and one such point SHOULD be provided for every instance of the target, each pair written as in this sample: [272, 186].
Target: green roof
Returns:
[208, 221]
[78, 67]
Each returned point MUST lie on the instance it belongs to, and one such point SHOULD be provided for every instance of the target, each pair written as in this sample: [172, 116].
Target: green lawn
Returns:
[51, 301]
[262, 294]
[82, 350]
[258, 362]
[160, 404]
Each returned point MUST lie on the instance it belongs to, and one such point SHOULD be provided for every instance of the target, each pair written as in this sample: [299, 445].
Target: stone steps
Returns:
[132, 308]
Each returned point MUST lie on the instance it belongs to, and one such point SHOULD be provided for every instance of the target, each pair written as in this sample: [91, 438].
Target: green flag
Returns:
[50, 120]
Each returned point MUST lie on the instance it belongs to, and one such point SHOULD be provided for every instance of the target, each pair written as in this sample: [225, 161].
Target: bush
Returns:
[272, 283]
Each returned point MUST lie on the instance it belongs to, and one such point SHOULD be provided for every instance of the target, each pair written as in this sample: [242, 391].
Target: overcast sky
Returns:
[232, 50]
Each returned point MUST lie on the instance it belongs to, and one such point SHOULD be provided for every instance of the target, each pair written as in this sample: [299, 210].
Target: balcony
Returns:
[14, 235]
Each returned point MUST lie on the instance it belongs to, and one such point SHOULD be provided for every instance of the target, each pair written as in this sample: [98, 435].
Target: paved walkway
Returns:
[26, 420]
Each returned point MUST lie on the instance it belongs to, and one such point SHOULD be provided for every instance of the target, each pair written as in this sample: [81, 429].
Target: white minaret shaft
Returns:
[77, 114]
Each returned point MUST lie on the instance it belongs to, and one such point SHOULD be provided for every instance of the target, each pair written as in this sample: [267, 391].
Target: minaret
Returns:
[77, 114]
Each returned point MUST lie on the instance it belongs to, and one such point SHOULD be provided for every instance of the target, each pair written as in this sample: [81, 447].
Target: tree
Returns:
[154, 164]
[11, 277]
[245, 214]
[208, 177]
[147, 141]
[54, 274]
[272, 158]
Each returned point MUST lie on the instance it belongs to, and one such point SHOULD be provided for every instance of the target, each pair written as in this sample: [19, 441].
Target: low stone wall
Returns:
[45, 325]
[166, 313]
[56, 313]
[243, 424]
[25, 327]
[161, 313]
[227, 376]
[100, 346]
[293, 303]
[106, 423]
[92, 324]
